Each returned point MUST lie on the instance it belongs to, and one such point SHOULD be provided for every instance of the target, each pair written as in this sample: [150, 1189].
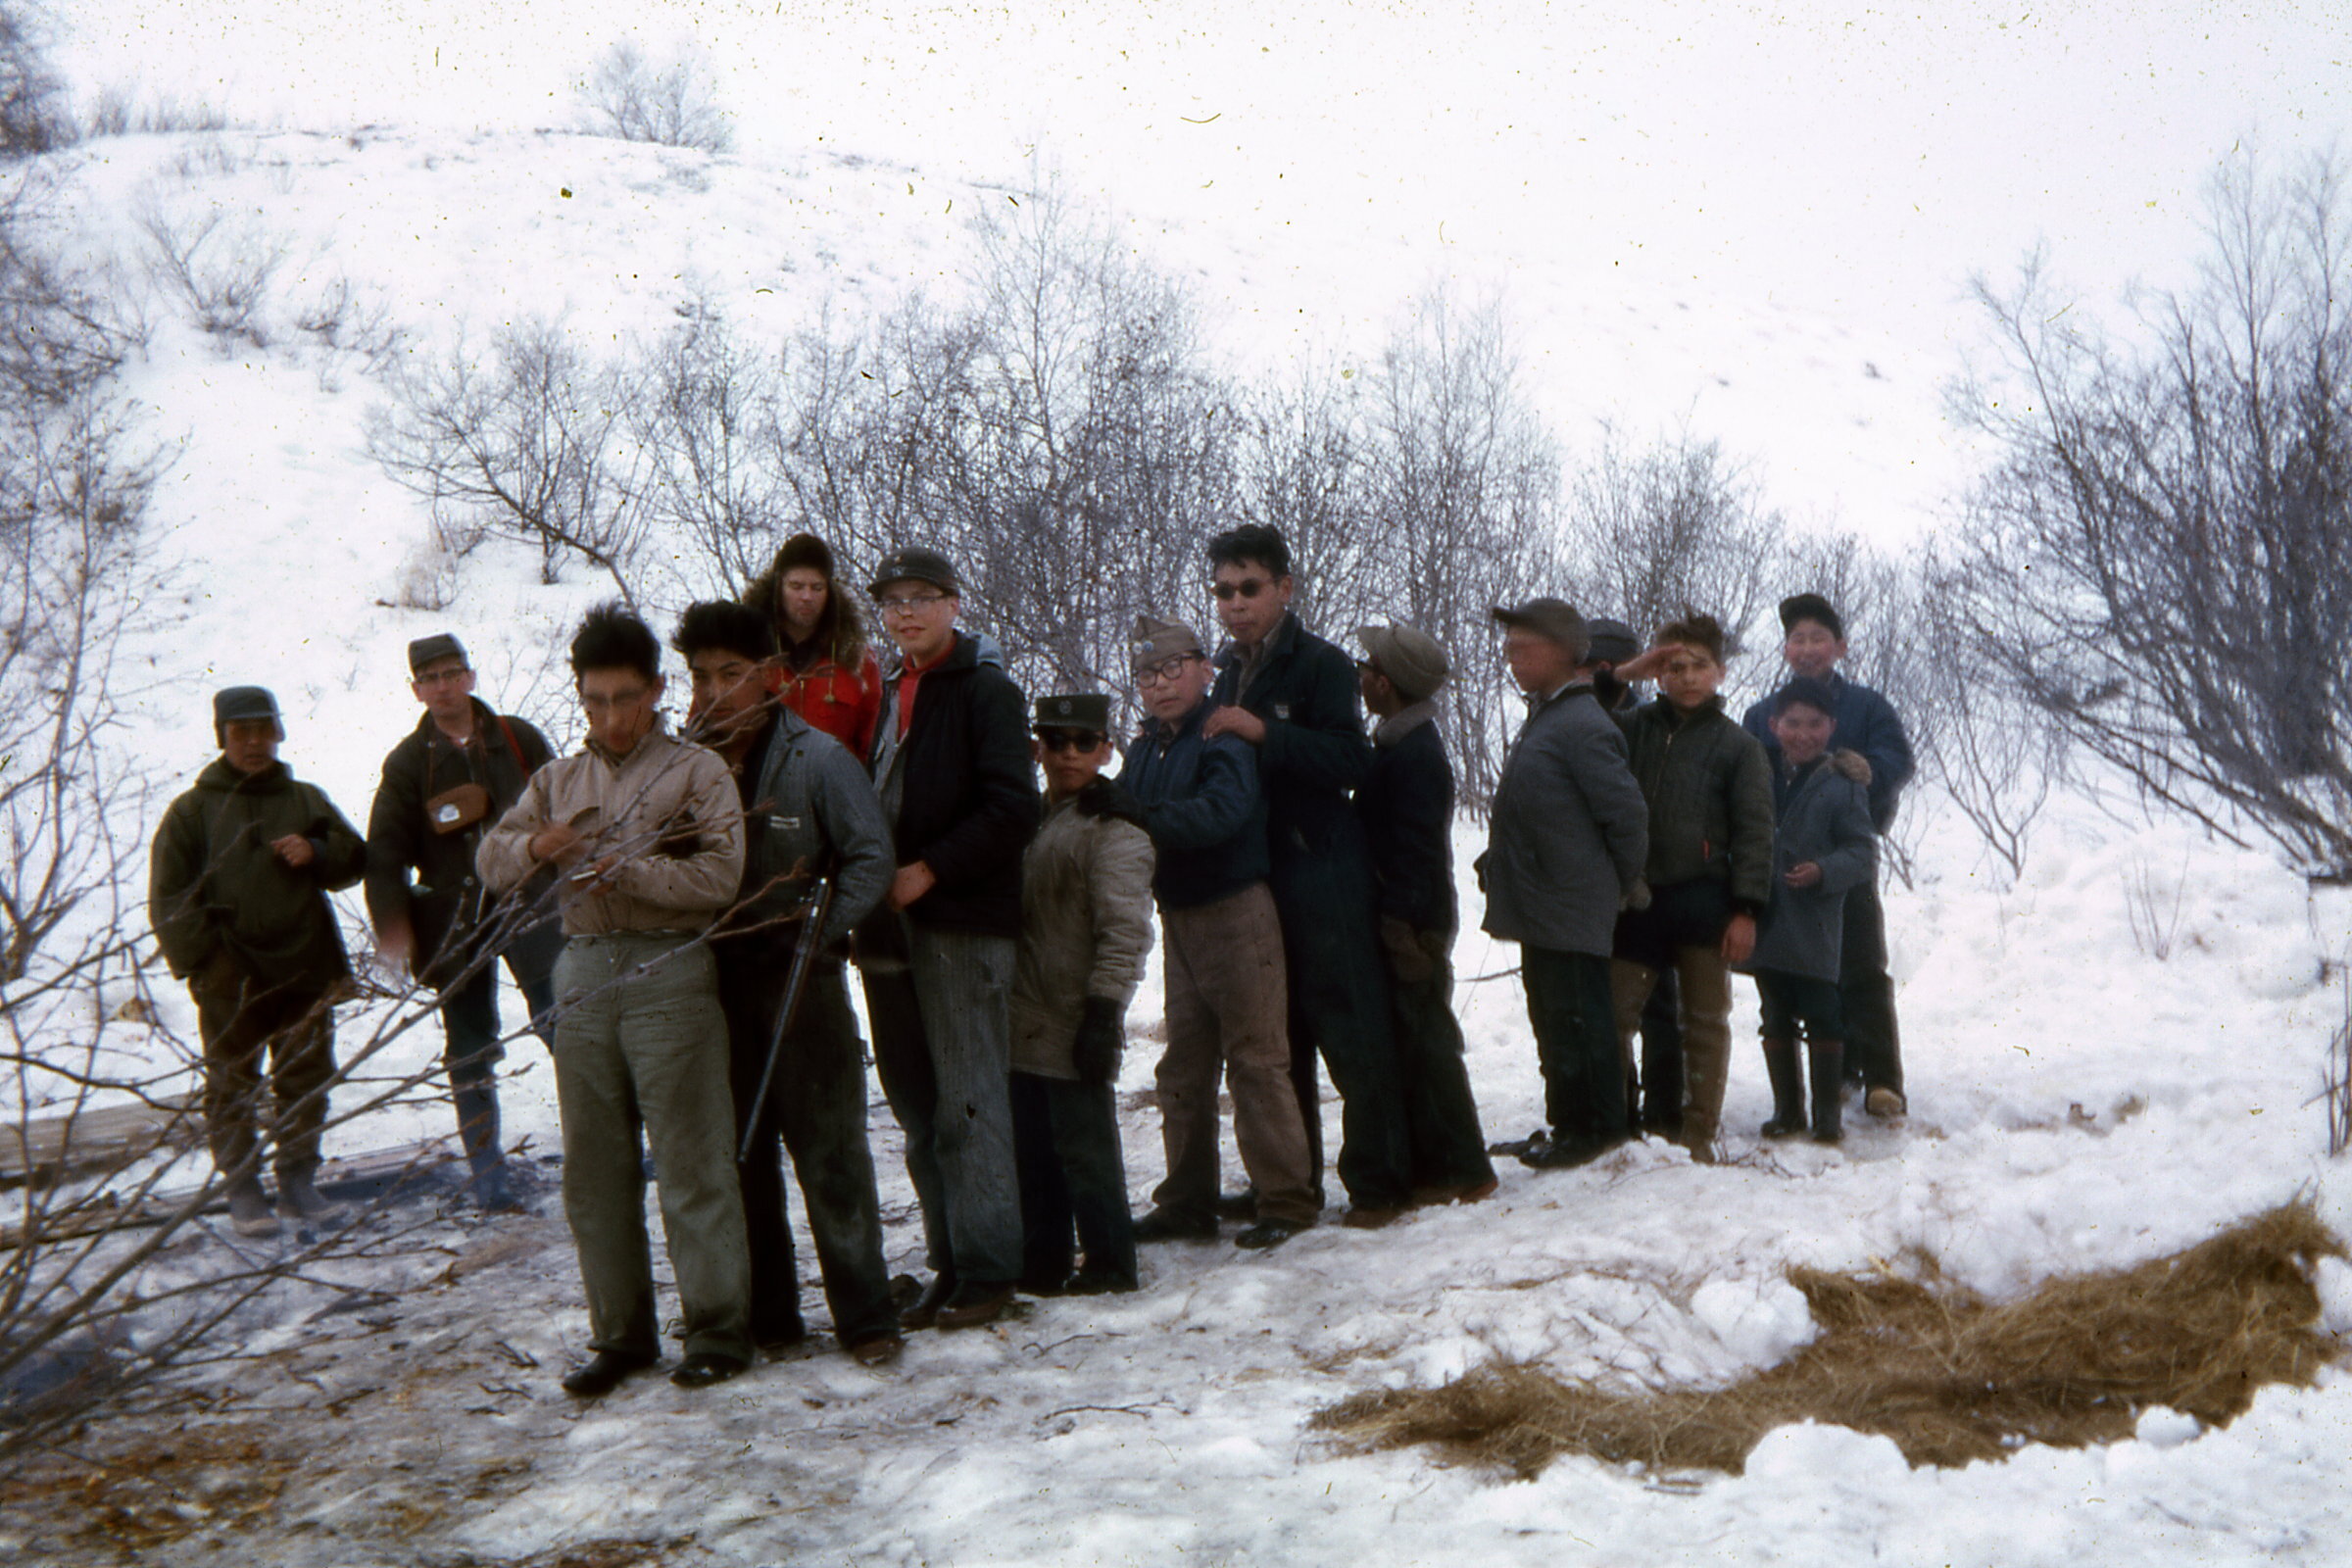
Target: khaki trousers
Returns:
[1228, 1016]
[1705, 983]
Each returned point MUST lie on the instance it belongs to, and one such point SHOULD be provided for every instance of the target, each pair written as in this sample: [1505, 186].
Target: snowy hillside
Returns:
[2109, 1060]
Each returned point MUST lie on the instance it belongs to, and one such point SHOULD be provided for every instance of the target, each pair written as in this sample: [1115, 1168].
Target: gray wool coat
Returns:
[1569, 830]
[1823, 818]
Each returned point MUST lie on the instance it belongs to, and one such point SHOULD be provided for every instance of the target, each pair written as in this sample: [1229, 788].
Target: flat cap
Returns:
[915, 565]
[1411, 659]
[440, 645]
[1556, 619]
[1613, 641]
[1086, 710]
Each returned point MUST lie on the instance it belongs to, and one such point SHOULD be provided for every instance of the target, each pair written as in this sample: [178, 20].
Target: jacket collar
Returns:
[962, 653]
[658, 738]
[1281, 643]
[218, 775]
[1402, 722]
[1162, 734]
[486, 728]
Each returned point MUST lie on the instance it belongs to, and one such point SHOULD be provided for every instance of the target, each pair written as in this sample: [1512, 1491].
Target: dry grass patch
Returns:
[1950, 1376]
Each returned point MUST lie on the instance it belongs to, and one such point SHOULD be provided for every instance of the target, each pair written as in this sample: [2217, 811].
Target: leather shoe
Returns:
[974, 1304]
[1568, 1153]
[602, 1373]
[1239, 1203]
[1167, 1225]
[1374, 1217]
[1266, 1233]
[702, 1369]
[1521, 1148]
[878, 1350]
[923, 1312]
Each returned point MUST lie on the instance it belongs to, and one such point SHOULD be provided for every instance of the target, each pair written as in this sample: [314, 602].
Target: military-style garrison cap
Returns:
[915, 565]
[1086, 710]
[1158, 641]
[1411, 659]
[440, 645]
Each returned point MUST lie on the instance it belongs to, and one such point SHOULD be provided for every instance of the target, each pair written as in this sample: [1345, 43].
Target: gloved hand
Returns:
[1406, 955]
[1101, 1042]
[1851, 765]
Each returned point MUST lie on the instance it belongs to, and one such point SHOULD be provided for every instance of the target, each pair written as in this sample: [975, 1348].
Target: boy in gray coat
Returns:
[1567, 838]
[1824, 847]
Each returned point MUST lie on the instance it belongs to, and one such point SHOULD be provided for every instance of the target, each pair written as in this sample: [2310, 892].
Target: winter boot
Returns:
[477, 1130]
[300, 1200]
[1829, 1086]
[248, 1210]
[1788, 1090]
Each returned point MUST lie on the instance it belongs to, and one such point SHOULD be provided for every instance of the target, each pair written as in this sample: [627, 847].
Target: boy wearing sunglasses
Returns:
[1086, 926]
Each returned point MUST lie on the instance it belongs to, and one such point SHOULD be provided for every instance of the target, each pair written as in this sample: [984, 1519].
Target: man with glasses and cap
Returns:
[444, 786]
[1567, 838]
[1086, 929]
[237, 885]
[1293, 698]
[1226, 991]
[951, 763]
[1408, 806]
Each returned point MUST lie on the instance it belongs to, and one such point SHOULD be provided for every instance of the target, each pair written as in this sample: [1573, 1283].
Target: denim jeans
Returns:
[1065, 1138]
[943, 1048]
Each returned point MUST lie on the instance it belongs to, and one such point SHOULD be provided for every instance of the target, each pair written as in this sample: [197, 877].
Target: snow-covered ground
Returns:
[2078, 1100]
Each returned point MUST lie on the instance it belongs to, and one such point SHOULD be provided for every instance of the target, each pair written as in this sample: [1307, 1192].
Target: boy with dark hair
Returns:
[1222, 944]
[237, 885]
[647, 834]
[1086, 929]
[1709, 870]
[951, 764]
[1567, 838]
[1868, 726]
[809, 813]
[1292, 697]
[1824, 847]
[444, 786]
[1408, 807]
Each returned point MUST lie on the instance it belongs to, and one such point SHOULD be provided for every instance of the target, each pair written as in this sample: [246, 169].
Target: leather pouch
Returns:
[454, 810]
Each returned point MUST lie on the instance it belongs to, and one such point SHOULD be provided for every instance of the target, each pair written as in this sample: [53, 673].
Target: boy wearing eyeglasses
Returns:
[951, 764]
[1226, 990]
[1293, 698]
[1085, 927]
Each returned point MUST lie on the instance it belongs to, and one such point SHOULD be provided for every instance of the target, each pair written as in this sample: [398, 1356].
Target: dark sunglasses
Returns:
[1069, 740]
[1247, 588]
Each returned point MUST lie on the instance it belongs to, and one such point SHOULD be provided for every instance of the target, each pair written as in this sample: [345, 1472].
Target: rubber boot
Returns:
[300, 1200]
[478, 1132]
[248, 1210]
[1828, 1087]
[1788, 1090]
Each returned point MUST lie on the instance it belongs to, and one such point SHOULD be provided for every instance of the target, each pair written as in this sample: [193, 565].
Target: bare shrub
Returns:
[673, 102]
[2152, 903]
[1678, 525]
[2338, 1086]
[222, 272]
[33, 116]
[1950, 1377]
[118, 111]
[346, 320]
[2163, 550]
[707, 424]
[531, 441]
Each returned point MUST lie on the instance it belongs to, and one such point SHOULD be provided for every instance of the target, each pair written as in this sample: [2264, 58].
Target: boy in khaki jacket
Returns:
[646, 834]
[1085, 927]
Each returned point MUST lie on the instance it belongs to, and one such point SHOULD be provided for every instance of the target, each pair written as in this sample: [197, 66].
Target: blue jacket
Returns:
[1867, 723]
[1821, 816]
[1201, 806]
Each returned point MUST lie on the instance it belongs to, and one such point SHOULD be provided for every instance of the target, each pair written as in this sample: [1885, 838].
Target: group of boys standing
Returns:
[706, 893]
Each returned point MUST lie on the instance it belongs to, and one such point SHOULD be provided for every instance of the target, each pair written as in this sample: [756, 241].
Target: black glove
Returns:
[1099, 1045]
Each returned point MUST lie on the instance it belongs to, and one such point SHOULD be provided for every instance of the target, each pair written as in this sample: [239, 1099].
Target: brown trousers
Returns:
[294, 1028]
[1228, 1016]
[1705, 983]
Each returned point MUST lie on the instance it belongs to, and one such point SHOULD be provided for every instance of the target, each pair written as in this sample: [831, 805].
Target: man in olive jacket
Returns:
[1293, 696]
[237, 885]
[444, 786]
[1566, 840]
